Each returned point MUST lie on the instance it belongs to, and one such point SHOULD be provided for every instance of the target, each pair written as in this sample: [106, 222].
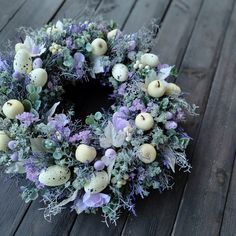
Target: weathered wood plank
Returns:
[196, 74]
[204, 198]
[32, 14]
[76, 9]
[8, 10]
[228, 226]
[144, 12]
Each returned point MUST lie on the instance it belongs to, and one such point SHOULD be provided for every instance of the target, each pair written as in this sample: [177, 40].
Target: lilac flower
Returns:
[27, 118]
[33, 49]
[58, 123]
[121, 89]
[78, 61]
[12, 144]
[137, 105]
[171, 125]
[91, 200]
[69, 42]
[31, 172]
[119, 121]
[83, 136]
[131, 45]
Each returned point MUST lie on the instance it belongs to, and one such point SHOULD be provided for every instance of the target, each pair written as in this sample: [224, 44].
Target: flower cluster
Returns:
[114, 156]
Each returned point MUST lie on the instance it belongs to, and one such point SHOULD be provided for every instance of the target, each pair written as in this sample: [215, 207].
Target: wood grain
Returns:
[201, 56]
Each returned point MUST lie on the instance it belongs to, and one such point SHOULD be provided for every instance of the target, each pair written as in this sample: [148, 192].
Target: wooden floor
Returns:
[199, 37]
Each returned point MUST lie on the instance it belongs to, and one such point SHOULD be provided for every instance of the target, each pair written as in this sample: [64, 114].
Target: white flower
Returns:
[31, 47]
[57, 28]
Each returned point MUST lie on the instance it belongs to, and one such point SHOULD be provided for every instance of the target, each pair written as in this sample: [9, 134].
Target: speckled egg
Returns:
[22, 61]
[12, 108]
[4, 139]
[38, 77]
[120, 72]
[149, 59]
[54, 176]
[98, 182]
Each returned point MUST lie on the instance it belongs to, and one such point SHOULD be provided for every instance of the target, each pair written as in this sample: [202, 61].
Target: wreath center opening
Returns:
[87, 97]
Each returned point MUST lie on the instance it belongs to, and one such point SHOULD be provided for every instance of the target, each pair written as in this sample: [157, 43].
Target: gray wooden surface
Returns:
[198, 36]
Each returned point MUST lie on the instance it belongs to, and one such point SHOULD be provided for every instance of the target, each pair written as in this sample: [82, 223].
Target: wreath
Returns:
[112, 156]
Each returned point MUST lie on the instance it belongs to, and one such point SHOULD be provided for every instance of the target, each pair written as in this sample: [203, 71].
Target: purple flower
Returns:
[58, 124]
[171, 125]
[121, 89]
[131, 45]
[91, 200]
[119, 121]
[137, 105]
[78, 61]
[83, 136]
[31, 172]
[17, 75]
[14, 156]
[12, 144]
[58, 121]
[27, 118]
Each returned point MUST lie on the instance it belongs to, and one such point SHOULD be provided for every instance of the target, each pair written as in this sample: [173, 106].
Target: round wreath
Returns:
[114, 155]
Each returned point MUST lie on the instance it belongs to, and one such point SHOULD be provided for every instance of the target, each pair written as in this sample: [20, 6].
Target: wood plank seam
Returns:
[58, 9]
[13, 15]
[203, 117]
[227, 194]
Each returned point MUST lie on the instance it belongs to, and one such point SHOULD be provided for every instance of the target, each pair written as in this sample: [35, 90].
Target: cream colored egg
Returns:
[156, 89]
[54, 176]
[12, 108]
[85, 153]
[111, 34]
[172, 89]
[38, 77]
[147, 153]
[4, 140]
[97, 183]
[22, 61]
[19, 46]
[120, 72]
[99, 47]
[144, 121]
[149, 59]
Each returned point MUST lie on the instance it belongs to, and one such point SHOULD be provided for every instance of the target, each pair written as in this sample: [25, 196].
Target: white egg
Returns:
[149, 59]
[85, 153]
[99, 47]
[120, 72]
[12, 108]
[147, 153]
[144, 121]
[38, 77]
[111, 34]
[97, 183]
[22, 61]
[54, 176]
[4, 140]
[172, 89]
[156, 89]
